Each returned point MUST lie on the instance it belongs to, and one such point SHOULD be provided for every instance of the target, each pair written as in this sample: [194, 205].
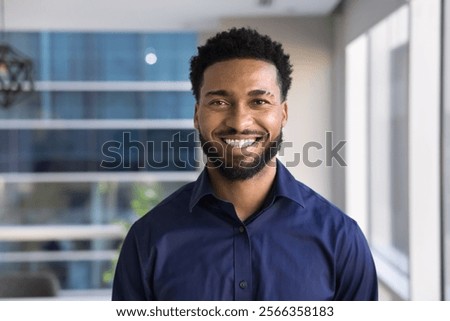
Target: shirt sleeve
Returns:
[130, 279]
[356, 273]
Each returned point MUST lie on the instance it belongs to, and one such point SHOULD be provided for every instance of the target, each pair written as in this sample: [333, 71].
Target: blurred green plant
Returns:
[144, 198]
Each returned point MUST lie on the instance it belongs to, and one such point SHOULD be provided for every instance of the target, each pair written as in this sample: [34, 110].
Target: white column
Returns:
[356, 131]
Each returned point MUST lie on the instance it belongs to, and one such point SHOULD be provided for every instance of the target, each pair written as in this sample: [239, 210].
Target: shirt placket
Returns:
[242, 264]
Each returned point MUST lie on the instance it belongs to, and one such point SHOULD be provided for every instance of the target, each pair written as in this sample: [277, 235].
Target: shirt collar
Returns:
[202, 187]
[285, 185]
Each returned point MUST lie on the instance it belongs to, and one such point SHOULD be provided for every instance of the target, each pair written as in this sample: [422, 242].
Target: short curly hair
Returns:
[240, 43]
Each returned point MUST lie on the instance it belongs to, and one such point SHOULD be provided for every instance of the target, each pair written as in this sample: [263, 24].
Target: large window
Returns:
[388, 140]
[70, 56]
[393, 127]
[377, 130]
[71, 229]
[114, 102]
[106, 135]
[97, 150]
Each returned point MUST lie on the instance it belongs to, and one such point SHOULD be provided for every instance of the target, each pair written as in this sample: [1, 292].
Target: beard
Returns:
[235, 167]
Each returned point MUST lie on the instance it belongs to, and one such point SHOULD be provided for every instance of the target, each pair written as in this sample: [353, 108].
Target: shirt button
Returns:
[243, 284]
[241, 229]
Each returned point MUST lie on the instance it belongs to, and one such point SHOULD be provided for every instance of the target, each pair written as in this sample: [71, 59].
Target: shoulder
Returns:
[335, 226]
[330, 224]
[313, 203]
[322, 208]
[314, 210]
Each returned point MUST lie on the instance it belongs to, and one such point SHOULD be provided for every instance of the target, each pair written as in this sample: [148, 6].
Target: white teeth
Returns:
[240, 142]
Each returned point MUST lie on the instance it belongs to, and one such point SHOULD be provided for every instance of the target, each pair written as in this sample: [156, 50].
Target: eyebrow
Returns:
[260, 92]
[252, 93]
[218, 93]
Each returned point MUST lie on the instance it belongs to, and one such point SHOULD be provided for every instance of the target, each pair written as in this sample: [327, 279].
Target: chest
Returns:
[241, 263]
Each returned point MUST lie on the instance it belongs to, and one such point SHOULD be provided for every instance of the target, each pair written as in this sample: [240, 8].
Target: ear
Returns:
[196, 117]
[285, 113]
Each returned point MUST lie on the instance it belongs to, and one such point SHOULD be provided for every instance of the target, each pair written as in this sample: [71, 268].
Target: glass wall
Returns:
[70, 56]
[377, 123]
[109, 104]
[71, 229]
[95, 150]
[398, 151]
[105, 136]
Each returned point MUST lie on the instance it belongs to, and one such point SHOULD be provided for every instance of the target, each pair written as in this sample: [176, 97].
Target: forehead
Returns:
[240, 74]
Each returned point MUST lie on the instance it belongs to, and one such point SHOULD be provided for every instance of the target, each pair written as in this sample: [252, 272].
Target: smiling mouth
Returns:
[240, 143]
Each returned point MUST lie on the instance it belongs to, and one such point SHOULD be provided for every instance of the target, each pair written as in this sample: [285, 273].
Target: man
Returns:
[246, 229]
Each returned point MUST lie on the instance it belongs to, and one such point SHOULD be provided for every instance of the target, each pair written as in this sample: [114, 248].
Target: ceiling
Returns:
[148, 15]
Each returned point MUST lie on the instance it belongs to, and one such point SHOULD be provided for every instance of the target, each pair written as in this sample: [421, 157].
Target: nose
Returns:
[240, 117]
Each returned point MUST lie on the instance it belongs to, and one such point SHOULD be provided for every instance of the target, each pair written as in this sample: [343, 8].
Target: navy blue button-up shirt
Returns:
[192, 246]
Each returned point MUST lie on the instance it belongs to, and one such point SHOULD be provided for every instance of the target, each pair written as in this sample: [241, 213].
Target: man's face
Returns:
[240, 115]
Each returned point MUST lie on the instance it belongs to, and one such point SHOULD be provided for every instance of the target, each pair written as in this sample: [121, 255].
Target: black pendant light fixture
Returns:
[16, 80]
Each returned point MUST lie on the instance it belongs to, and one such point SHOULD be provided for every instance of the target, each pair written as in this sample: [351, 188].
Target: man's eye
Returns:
[260, 102]
[218, 103]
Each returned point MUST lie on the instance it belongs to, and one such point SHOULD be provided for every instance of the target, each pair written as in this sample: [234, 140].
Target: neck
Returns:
[247, 196]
